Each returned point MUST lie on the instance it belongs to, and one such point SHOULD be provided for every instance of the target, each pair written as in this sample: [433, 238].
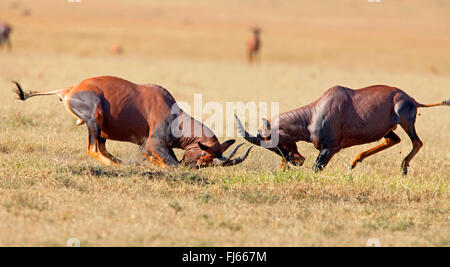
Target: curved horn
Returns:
[245, 134]
[266, 124]
[231, 153]
[238, 160]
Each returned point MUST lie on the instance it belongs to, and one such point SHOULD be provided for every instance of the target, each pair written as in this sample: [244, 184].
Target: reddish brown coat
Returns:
[147, 115]
[341, 118]
[253, 46]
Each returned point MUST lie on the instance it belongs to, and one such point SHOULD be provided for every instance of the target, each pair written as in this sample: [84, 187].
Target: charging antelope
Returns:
[147, 115]
[342, 118]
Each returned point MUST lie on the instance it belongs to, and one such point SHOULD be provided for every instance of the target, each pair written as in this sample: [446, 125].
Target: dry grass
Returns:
[50, 190]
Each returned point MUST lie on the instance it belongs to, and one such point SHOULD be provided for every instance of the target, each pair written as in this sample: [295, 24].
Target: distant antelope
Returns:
[253, 46]
[5, 30]
[342, 118]
[116, 109]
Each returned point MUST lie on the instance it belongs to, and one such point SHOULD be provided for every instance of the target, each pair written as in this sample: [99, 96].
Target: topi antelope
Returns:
[342, 118]
[147, 115]
[5, 30]
[253, 45]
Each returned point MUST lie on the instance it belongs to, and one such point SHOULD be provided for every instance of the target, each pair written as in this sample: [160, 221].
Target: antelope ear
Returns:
[204, 147]
[225, 145]
[266, 124]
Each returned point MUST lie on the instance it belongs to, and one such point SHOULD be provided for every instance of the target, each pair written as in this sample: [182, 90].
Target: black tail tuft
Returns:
[446, 102]
[20, 93]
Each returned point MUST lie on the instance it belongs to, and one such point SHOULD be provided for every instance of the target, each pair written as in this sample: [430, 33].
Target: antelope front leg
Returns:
[154, 160]
[284, 164]
[159, 154]
[102, 149]
[322, 160]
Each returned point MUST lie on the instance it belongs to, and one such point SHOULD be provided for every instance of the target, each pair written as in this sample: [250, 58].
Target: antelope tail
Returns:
[24, 96]
[443, 103]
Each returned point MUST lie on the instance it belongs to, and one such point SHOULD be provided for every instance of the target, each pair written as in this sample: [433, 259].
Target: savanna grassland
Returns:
[51, 190]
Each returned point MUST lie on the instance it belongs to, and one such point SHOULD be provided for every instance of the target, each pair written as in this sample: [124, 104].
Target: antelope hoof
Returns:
[317, 168]
[114, 163]
[354, 163]
[284, 167]
[405, 168]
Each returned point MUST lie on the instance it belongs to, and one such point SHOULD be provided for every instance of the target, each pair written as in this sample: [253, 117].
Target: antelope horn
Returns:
[266, 124]
[231, 153]
[245, 134]
[238, 160]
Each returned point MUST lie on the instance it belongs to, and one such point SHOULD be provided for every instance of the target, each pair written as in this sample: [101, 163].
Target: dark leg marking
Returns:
[322, 160]
[417, 144]
[102, 147]
[407, 110]
[88, 106]
[159, 154]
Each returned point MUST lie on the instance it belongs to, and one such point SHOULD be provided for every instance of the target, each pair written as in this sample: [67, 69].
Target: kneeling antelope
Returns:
[147, 115]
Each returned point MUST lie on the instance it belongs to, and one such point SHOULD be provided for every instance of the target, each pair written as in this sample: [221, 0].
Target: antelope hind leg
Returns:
[390, 139]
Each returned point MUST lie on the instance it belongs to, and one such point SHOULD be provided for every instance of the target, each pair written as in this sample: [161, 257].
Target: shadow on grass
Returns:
[173, 176]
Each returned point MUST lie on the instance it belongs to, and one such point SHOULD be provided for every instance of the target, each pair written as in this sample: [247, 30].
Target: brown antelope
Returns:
[5, 30]
[147, 115]
[253, 45]
[342, 118]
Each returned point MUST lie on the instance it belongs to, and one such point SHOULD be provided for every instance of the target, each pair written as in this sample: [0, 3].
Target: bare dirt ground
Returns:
[51, 190]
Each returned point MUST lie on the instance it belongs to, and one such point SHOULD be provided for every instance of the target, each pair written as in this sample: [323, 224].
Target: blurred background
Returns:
[391, 34]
